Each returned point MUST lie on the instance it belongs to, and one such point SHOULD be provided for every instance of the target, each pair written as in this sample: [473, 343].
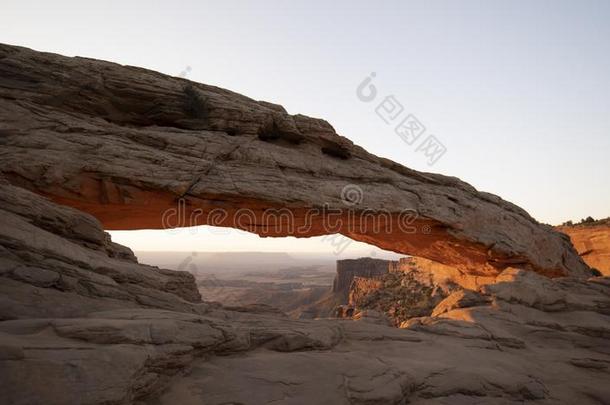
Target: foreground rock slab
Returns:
[541, 340]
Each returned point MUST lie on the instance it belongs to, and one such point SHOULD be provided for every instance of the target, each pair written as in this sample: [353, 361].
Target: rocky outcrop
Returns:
[348, 269]
[592, 243]
[129, 146]
[433, 273]
[491, 346]
[83, 324]
[58, 262]
[412, 288]
[398, 296]
[417, 287]
[362, 287]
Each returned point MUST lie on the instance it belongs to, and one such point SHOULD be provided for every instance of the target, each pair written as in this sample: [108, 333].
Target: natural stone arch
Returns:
[129, 145]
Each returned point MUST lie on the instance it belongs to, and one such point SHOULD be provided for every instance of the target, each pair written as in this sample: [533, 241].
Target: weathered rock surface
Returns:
[362, 287]
[348, 269]
[592, 243]
[413, 287]
[543, 347]
[82, 324]
[57, 261]
[399, 296]
[434, 273]
[126, 145]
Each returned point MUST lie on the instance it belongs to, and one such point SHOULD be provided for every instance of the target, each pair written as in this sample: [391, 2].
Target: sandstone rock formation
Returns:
[353, 276]
[433, 273]
[81, 322]
[348, 269]
[592, 243]
[413, 287]
[56, 261]
[126, 145]
[362, 287]
[399, 296]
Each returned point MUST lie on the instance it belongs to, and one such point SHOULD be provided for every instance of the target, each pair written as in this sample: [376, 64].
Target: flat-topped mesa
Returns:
[592, 241]
[139, 149]
[365, 267]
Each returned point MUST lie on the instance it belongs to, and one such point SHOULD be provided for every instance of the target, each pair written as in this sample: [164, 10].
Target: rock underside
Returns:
[82, 322]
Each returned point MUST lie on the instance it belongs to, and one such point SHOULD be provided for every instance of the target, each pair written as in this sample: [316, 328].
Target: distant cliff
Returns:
[412, 287]
[592, 241]
[366, 267]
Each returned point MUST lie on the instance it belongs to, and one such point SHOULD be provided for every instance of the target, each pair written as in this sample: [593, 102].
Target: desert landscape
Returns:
[486, 305]
[177, 227]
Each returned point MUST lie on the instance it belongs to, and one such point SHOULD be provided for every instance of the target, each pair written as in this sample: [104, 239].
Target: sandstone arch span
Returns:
[127, 144]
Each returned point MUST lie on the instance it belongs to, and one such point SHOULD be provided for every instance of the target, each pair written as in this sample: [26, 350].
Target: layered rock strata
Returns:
[138, 149]
[348, 269]
[83, 323]
[592, 243]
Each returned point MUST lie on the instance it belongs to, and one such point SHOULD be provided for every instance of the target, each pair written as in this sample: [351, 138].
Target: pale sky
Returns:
[517, 91]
